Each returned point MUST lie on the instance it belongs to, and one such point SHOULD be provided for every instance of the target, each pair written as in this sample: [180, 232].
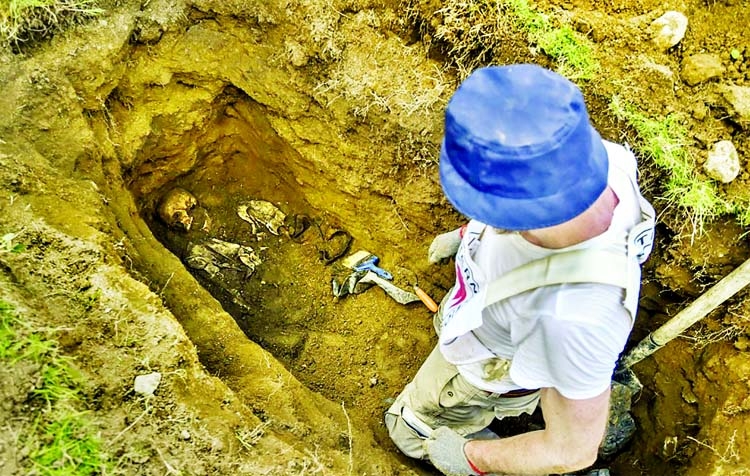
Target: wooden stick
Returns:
[426, 299]
[697, 310]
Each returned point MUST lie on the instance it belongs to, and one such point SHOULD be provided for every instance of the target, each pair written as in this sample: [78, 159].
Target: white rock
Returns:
[668, 30]
[701, 67]
[147, 384]
[723, 163]
[738, 101]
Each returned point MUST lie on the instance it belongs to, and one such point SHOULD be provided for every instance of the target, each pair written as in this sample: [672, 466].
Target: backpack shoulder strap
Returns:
[578, 266]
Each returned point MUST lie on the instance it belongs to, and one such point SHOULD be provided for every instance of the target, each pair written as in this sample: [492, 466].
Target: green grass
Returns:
[61, 442]
[7, 244]
[24, 21]
[476, 30]
[571, 52]
[663, 141]
[7, 332]
[742, 211]
[68, 447]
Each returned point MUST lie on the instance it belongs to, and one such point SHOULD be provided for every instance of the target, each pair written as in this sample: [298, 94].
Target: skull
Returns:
[174, 208]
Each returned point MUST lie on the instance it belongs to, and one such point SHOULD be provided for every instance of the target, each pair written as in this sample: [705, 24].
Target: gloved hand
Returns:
[444, 246]
[445, 448]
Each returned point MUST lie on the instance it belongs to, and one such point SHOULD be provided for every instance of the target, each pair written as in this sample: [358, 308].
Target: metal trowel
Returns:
[365, 262]
[399, 295]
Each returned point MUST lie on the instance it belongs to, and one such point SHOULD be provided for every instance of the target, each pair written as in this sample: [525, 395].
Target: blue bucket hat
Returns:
[519, 152]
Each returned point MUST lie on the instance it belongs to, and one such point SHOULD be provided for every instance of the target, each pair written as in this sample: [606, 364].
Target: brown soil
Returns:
[332, 112]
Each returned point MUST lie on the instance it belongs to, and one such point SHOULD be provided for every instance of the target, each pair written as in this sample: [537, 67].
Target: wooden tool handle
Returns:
[426, 299]
[697, 310]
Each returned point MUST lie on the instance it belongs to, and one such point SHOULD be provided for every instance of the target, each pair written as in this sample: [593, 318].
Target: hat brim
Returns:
[520, 214]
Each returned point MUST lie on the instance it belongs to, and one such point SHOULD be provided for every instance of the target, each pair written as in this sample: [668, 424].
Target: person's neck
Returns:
[593, 222]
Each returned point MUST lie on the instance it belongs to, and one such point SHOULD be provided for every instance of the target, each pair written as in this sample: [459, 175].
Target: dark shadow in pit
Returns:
[237, 218]
[239, 222]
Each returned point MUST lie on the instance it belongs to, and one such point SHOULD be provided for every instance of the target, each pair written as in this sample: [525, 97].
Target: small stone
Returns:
[217, 445]
[185, 435]
[582, 26]
[668, 30]
[147, 31]
[373, 381]
[722, 164]
[147, 384]
[599, 35]
[699, 112]
[738, 99]
[296, 53]
[701, 67]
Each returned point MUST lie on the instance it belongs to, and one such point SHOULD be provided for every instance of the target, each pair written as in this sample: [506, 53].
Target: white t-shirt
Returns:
[565, 336]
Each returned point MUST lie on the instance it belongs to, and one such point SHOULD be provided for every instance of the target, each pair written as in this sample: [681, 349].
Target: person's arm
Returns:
[570, 441]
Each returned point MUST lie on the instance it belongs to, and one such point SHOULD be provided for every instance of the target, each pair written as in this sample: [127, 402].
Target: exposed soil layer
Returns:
[331, 113]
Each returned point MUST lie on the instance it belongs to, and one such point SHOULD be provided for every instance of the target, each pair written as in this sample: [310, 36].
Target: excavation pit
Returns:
[269, 257]
[333, 118]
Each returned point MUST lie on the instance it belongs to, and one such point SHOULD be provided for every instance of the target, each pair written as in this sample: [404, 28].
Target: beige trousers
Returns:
[440, 396]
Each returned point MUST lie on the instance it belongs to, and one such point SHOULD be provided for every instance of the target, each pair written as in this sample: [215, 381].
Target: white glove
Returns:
[444, 246]
[445, 449]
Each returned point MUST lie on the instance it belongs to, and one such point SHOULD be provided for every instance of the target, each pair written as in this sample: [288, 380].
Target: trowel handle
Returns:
[371, 264]
[380, 272]
[426, 299]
